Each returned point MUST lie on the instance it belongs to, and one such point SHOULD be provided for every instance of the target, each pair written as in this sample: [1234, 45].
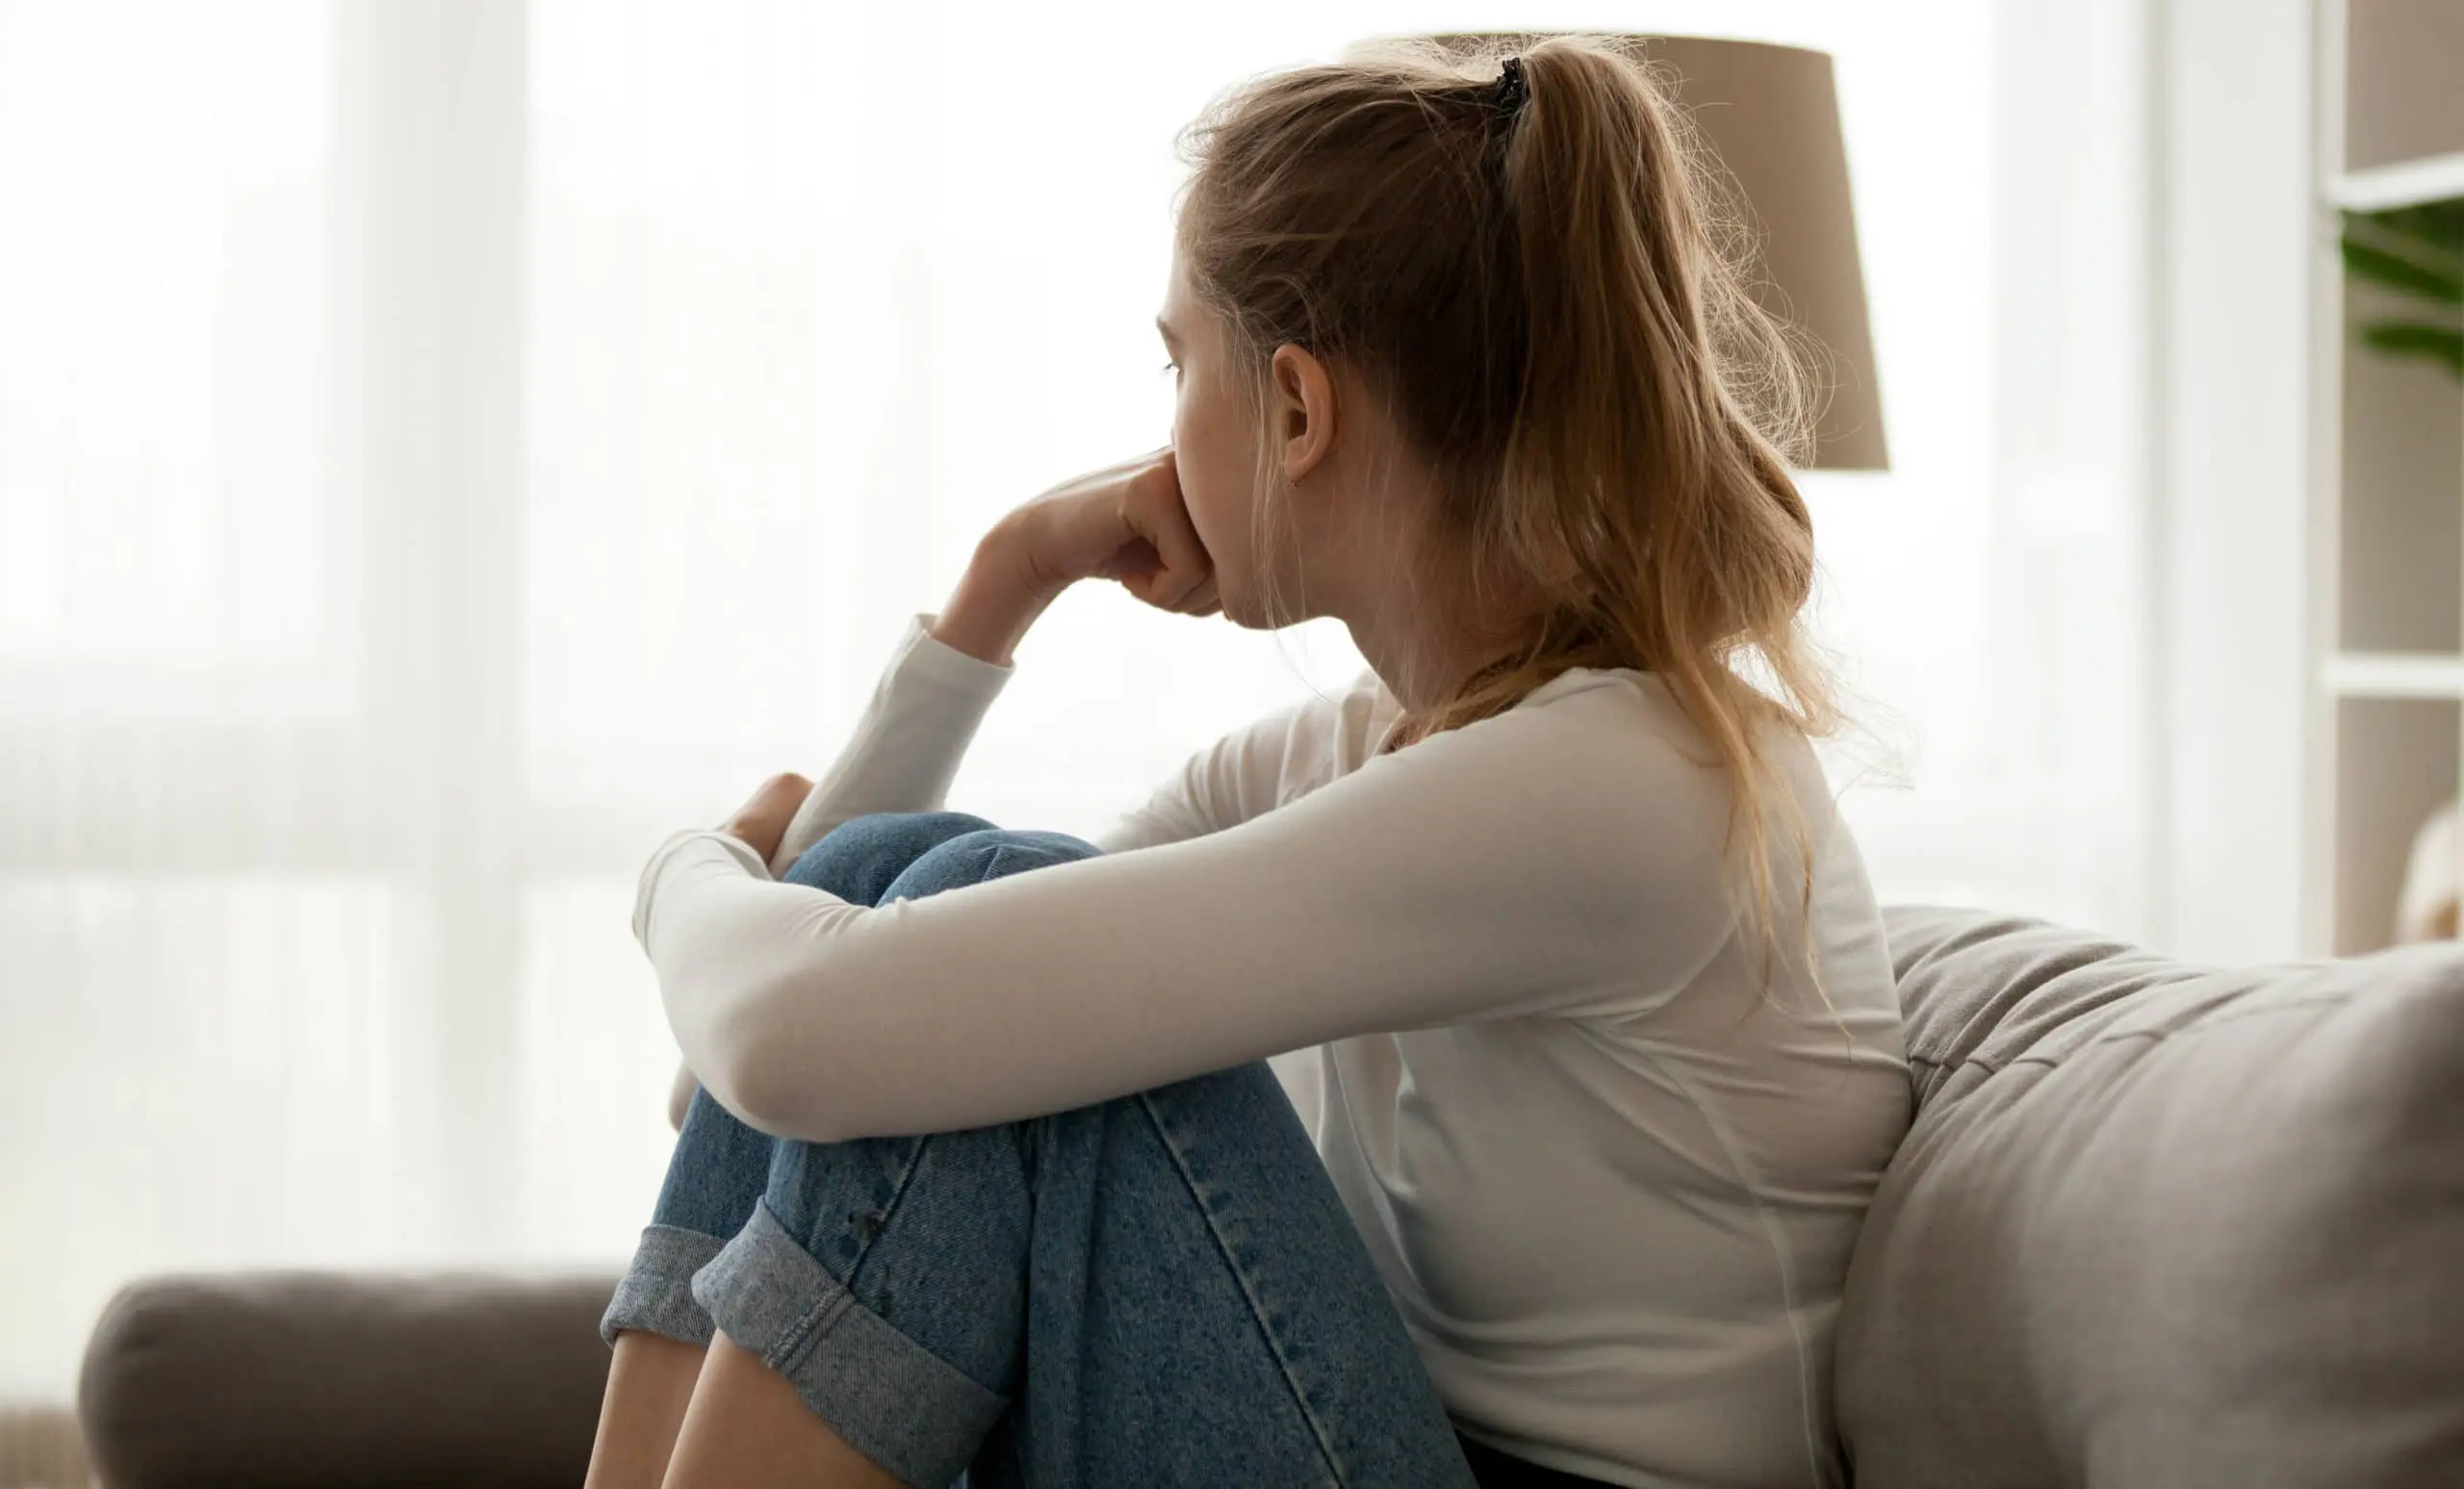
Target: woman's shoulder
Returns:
[1600, 746]
[1632, 717]
[1618, 720]
[1612, 753]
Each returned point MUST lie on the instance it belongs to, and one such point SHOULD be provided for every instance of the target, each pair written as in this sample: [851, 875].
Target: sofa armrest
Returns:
[304, 1378]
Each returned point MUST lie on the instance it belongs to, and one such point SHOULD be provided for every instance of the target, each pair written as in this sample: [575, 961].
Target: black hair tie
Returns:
[1513, 92]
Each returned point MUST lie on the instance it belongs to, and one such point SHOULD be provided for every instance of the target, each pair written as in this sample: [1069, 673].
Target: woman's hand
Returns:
[763, 822]
[1126, 521]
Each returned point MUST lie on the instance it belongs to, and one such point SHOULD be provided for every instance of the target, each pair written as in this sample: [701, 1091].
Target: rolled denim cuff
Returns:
[656, 1292]
[891, 1399]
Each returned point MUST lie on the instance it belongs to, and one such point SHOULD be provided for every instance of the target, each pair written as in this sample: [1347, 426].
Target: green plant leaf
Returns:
[2437, 224]
[2441, 344]
[2403, 273]
[2418, 252]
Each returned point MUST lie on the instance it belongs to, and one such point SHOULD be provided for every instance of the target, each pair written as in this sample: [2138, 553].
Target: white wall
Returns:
[2234, 228]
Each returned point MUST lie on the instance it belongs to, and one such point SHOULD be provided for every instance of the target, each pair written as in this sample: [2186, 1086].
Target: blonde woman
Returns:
[985, 1174]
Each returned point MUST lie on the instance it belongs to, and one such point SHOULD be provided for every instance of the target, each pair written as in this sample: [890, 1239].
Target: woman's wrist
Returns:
[999, 598]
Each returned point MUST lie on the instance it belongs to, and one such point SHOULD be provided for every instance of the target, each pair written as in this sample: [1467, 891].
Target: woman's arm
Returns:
[1125, 522]
[906, 749]
[1522, 865]
[1250, 772]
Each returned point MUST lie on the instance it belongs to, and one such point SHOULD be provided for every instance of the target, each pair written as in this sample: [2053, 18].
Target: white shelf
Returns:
[2408, 184]
[2395, 675]
[2385, 716]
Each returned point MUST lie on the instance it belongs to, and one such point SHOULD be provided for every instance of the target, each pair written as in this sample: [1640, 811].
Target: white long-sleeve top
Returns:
[1610, 1172]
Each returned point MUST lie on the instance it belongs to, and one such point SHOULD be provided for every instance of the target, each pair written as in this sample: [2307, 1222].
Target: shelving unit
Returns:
[2388, 576]
[2393, 674]
[2403, 184]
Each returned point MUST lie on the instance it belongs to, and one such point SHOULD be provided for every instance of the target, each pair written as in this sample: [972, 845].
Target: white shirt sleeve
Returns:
[902, 757]
[907, 748]
[925, 711]
[1252, 771]
[1513, 866]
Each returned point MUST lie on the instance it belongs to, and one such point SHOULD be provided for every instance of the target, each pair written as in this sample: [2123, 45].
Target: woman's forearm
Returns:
[903, 754]
[999, 598]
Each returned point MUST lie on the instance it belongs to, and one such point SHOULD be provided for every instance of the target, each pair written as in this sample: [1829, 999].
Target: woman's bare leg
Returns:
[650, 1382]
[747, 1428]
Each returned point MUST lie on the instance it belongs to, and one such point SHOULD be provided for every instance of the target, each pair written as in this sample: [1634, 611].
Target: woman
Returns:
[985, 1174]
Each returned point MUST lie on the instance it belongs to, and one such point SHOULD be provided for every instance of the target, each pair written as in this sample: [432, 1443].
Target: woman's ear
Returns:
[1304, 410]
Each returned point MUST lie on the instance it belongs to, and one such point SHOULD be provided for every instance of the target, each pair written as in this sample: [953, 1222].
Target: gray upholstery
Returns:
[2162, 1225]
[296, 1379]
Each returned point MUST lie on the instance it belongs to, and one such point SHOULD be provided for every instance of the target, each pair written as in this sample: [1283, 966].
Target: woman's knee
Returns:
[719, 1168]
[991, 852]
[929, 1235]
[859, 860]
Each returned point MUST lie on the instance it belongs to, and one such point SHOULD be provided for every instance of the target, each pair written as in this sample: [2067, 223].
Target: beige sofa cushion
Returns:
[2162, 1225]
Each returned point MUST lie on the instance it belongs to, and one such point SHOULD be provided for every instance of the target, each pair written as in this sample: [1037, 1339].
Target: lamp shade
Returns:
[1770, 114]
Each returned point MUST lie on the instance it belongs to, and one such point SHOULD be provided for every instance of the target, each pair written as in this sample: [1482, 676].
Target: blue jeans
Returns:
[1162, 1288]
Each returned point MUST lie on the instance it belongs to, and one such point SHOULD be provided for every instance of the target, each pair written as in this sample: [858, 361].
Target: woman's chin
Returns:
[1247, 613]
[1260, 607]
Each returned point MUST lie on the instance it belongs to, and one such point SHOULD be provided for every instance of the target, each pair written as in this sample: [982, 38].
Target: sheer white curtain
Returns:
[445, 445]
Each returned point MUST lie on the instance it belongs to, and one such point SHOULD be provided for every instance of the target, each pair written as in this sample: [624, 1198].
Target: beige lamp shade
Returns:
[1771, 116]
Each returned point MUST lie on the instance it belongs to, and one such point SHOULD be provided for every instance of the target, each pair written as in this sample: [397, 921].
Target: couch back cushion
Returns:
[2160, 1225]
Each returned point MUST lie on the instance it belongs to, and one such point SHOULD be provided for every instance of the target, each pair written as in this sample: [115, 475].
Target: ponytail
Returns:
[1527, 255]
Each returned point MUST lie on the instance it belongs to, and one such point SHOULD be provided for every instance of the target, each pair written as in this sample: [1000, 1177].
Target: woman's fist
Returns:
[1126, 523]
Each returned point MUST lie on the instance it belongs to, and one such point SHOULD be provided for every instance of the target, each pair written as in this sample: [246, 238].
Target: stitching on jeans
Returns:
[792, 1346]
[817, 1319]
[867, 1240]
[1257, 1308]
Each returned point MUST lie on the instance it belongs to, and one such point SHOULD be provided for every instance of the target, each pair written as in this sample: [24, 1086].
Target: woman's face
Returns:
[1215, 449]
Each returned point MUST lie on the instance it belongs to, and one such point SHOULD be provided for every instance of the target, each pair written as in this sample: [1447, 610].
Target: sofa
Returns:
[2155, 1226]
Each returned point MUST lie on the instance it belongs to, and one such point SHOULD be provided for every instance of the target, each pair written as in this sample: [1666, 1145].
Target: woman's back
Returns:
[1617, 1229]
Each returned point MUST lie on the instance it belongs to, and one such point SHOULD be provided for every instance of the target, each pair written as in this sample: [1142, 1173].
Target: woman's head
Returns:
[1505, 280]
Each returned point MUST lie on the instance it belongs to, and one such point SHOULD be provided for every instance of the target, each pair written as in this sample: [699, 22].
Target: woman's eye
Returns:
[1173, 368]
